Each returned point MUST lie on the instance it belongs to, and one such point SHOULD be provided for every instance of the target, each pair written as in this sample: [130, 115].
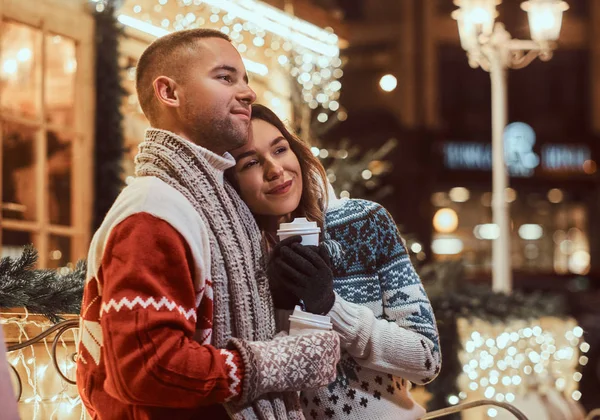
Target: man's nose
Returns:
[247, 95]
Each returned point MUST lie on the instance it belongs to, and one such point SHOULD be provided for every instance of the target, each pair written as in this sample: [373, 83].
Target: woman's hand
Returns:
[282, 297]
[305, 272]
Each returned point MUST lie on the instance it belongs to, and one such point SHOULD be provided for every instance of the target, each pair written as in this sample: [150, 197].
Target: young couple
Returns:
[178, 315]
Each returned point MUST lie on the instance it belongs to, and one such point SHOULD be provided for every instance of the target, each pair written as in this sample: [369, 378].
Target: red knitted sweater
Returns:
[145, 352]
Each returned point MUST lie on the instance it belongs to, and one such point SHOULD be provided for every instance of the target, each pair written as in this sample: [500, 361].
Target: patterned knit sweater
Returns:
[384, 318]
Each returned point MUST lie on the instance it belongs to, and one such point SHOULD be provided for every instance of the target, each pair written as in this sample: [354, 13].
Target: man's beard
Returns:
[226, 135]
[217, 134]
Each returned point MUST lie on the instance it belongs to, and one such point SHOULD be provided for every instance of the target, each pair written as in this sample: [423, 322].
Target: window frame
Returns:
[68, 19]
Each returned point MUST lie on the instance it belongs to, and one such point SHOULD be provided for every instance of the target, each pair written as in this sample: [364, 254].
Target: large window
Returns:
[46, 130]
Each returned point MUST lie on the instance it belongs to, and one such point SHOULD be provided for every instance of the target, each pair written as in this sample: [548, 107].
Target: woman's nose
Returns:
[273, 171]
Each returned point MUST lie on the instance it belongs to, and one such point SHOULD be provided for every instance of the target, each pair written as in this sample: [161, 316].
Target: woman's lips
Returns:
[281, 189]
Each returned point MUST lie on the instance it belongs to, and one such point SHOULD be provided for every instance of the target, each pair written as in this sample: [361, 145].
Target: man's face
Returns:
[215, 97]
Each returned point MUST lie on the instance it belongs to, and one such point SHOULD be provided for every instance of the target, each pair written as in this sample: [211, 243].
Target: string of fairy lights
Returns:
[264, 35]
[48, 395]
[505, 360]
[500, 361]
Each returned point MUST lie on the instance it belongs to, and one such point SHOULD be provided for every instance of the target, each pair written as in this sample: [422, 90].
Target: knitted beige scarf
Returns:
[242, 301]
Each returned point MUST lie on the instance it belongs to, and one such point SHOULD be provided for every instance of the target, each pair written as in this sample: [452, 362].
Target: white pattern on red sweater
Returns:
[147, 312]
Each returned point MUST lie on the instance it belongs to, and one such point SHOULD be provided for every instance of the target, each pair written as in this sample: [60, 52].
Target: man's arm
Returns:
[148, 320]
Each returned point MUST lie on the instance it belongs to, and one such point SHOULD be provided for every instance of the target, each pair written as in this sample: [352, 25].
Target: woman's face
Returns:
[268, 172]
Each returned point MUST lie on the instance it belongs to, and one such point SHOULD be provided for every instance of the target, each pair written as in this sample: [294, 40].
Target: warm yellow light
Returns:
[487, 231]
[555, 195]
[10, 66]
[459, 194]
[447, 246]
[416, 247]
[474, 18]
[445, 220]
[388, 83]
[24, 54]
[322, 117]
[531, 231]
[579, 262]
[589, 167]
[510, 194]
[545, 18]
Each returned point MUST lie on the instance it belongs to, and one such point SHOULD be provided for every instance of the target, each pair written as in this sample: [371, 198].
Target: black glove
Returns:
[305, 271]
[282, 297]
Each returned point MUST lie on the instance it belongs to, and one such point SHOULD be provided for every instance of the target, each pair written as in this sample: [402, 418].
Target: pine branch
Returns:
[41, 291]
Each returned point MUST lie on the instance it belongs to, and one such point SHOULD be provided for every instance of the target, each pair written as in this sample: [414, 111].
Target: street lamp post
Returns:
[489, 46]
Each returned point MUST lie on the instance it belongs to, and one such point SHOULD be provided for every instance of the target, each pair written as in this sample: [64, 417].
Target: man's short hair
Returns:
[166, 57]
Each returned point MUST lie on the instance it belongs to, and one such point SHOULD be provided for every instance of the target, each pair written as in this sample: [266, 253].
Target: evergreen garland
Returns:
[109, 141]
[44, 291]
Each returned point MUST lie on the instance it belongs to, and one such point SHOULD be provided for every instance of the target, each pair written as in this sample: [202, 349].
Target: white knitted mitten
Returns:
[288, 363]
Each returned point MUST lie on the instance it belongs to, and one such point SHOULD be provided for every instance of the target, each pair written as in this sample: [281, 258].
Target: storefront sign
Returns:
[520, 159]
[565, 157]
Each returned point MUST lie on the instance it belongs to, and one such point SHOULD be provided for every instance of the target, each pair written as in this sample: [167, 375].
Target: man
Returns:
[177, 319]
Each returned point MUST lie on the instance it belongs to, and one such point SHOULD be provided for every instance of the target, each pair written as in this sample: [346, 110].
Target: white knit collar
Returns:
[219, 163]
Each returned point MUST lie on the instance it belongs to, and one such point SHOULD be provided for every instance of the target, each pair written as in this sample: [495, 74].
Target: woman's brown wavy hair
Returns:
[314, 178]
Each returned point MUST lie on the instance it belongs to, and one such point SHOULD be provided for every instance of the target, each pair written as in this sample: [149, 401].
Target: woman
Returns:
[371, 292]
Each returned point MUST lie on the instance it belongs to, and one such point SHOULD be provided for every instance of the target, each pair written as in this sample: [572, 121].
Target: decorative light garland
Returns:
[25, 360]
[260, 32]
[504, 360]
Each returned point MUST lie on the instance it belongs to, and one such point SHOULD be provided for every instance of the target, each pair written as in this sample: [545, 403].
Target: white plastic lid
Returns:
[299, 223]
[299, 314]
[305, 320]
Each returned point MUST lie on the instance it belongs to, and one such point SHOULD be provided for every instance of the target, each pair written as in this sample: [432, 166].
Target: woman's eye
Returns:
[225, 77]
[280, 150]
[249, 164]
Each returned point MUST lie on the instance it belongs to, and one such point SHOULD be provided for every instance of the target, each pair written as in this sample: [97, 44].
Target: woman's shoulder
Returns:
[353, 205]
[351, 209]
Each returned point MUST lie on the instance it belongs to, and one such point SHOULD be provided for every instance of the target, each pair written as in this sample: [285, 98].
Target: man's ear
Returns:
[165, 90]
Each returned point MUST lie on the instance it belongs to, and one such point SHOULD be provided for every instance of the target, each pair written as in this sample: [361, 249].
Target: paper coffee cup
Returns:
[307, 323]
[303, 227]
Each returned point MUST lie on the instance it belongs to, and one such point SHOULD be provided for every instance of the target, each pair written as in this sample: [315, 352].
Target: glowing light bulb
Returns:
[388, 83]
